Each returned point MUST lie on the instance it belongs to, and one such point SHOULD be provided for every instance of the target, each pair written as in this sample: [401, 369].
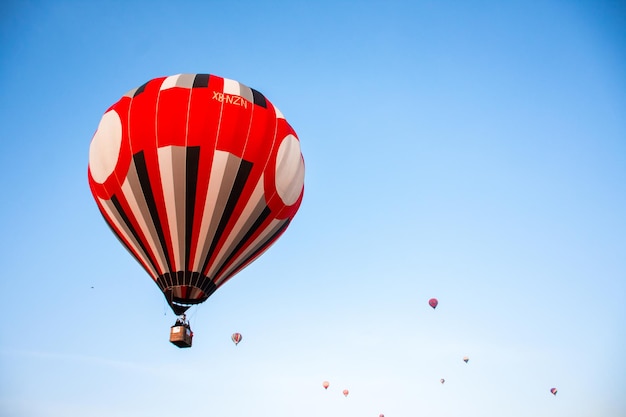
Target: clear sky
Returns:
[469, 151]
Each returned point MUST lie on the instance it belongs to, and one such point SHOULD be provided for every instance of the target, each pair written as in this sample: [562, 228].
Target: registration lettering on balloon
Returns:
[230, 99]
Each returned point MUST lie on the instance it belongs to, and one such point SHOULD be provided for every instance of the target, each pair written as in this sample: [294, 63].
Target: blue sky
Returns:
[469, 151]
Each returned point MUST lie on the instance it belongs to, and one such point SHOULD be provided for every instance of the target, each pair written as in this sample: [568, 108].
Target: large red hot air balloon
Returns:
[236, 338]
[197, 175]
[433, 302]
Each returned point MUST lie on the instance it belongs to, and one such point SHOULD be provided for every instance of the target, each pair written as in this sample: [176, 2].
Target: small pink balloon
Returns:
[236, 338]
[553, 391]
[433, 302]
[346, 392]
[325, 384]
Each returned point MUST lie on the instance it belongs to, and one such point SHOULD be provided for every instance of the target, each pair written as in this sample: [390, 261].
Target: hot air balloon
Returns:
[236, 337]
[197, 175]
[442, 380]
[381, 415]
[466, 359]
[345, 392]
[553, 391]
[325, 384]
[433, 302]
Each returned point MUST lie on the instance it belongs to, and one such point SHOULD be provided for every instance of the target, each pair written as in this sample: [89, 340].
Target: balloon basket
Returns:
[181, 336]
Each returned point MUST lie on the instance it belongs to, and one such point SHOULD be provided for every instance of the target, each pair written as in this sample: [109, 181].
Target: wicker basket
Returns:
[181, 336]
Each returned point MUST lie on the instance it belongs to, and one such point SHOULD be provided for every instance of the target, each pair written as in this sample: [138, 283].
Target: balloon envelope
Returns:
[197, 175]
[346, 392]
[236, 337]
[325, 384]
[433, 302]
[553, 391]
[442, 380]
[466, 359]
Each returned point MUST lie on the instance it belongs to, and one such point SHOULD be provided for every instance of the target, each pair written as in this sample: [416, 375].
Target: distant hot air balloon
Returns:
[553, 391]
[442, 380]
[236, 337]
[346, 392]
[466, 359]
[197, 175]
[325, 384]
[381, 415]
[433, 302]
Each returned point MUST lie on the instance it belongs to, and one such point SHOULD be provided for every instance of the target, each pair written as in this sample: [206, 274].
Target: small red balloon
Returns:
[433, 302]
